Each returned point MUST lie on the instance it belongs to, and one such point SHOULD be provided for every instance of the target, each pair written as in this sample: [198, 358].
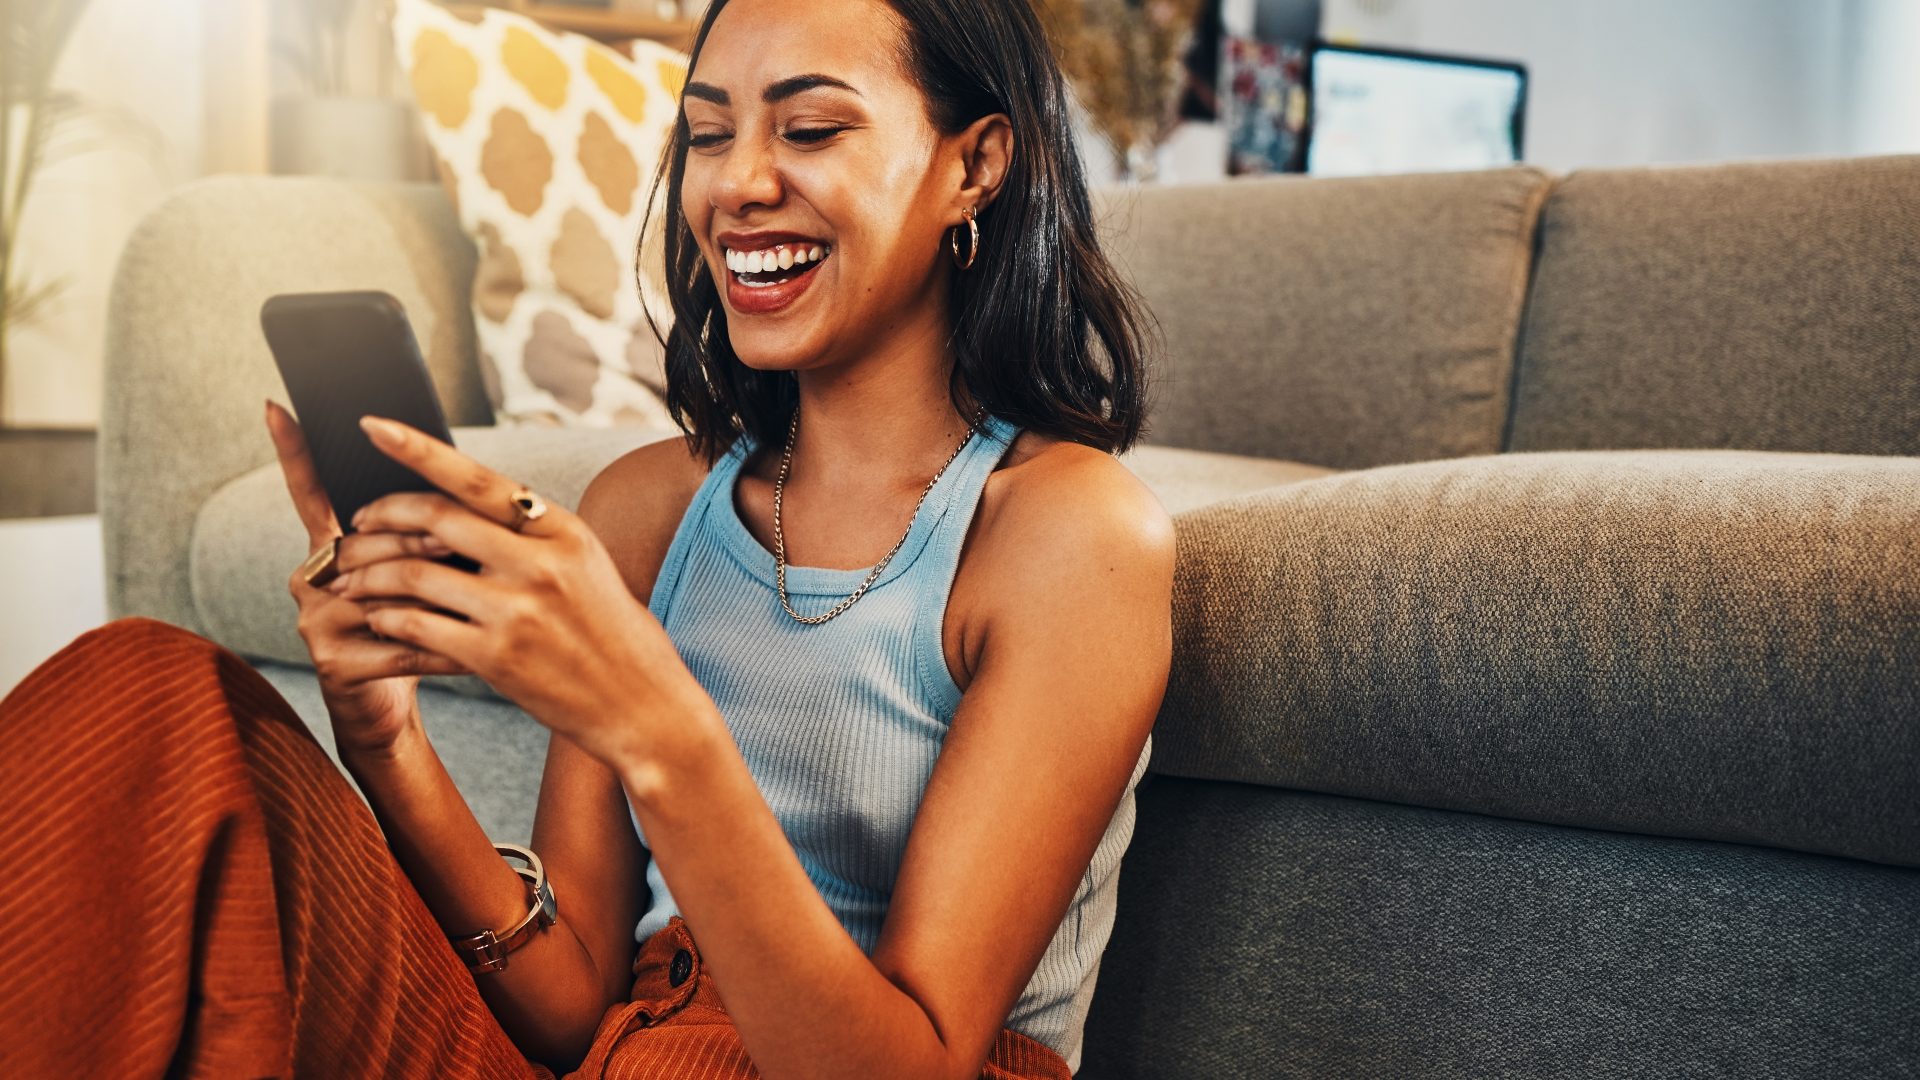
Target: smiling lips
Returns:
[766, 279]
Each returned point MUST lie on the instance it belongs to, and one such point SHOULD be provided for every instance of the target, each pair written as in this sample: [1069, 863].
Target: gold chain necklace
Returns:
[779, 538]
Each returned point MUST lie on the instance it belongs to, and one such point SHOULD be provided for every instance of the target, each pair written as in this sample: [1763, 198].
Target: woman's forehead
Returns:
[756, 43]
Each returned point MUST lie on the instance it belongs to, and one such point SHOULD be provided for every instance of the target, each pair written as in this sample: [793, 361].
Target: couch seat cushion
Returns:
[1185, 479]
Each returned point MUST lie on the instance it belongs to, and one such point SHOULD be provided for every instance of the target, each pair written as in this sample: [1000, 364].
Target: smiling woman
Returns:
[846, 734]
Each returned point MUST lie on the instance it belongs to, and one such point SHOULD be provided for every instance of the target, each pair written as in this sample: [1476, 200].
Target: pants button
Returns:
[682, 967]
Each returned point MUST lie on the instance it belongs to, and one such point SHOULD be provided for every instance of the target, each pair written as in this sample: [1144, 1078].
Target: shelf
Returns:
[599, 23]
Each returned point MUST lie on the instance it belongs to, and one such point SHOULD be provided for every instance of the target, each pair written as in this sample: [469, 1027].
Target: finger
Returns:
[338, 634]
[437, 515]
[477, 487]
[421, 579]
[303, 483]
[326, 612]
[366, 548]
[363, 659]
[462, 642]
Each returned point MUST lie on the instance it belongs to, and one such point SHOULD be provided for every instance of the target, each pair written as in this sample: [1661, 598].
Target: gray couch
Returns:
[1547, 689]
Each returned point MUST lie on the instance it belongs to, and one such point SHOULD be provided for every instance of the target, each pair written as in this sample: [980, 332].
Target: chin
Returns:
[767, 349]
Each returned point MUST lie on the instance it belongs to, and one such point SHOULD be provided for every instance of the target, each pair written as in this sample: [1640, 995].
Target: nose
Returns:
[748, 176]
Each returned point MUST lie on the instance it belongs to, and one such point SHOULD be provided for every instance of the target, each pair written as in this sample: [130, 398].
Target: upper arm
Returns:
[581, 827]
[1072, 667]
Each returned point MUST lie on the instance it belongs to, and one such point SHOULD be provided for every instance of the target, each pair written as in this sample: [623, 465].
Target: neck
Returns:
[886, 421]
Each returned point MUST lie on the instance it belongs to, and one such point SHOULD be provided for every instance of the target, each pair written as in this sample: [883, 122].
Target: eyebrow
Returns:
[774, 93]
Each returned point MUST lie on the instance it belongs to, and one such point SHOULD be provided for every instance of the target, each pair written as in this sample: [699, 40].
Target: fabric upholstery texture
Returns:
[1185, 479]
[1268, 933]
[1719, 644]
[547, 143]
[1336, 322]
[1761, 306]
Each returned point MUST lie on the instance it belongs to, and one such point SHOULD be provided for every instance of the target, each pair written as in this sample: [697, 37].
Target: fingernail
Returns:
[359, 516]
[434, 544]
[377, 428]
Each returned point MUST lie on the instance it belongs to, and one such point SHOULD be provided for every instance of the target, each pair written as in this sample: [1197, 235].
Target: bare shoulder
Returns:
[1054, 498]
[1065, 536]
[635, 504]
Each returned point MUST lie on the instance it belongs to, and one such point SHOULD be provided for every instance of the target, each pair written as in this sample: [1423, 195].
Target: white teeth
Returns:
[770, 259]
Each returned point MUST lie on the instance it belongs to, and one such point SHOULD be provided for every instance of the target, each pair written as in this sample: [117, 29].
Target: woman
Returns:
[868, 738]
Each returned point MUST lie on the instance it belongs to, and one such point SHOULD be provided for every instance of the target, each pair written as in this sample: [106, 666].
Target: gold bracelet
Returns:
[486, 950]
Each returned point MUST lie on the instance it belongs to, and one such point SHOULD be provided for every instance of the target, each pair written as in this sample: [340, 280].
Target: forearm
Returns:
[549, 999]
[806, 1000]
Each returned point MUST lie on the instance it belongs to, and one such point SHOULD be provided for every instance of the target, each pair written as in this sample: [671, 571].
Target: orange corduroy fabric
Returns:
[202, 893]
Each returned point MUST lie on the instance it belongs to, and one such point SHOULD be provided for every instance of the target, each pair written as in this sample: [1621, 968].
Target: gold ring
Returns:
[323, 565]
[526, 507]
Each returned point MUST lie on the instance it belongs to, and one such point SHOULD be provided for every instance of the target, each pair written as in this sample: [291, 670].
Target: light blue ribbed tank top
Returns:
[840, 722]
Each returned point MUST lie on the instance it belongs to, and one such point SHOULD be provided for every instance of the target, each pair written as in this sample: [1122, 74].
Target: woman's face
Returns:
[816, 185]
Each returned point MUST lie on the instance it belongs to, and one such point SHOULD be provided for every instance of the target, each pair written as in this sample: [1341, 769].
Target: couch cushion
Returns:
[1343, 322]
[1719, 644]
[1769, 306]
[1268, 933]
[247, 538]
[1185, 479]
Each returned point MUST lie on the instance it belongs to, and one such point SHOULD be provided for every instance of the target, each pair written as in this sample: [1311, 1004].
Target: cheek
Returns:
[878, 209]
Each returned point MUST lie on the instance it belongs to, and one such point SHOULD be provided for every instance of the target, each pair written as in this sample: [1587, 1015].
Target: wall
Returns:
[1884, 45]
[127, 57]
[1632, 82]
[181, 90]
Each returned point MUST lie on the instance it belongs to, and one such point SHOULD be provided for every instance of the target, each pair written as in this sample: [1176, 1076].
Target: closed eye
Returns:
[813, 135]
[805, 136]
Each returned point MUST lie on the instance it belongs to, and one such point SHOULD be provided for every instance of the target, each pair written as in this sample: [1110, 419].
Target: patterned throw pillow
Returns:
[547, 143]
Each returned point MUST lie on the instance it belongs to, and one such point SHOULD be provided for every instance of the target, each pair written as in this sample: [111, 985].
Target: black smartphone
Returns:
[343, 355]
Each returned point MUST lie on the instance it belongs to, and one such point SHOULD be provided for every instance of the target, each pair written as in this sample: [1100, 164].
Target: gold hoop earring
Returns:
[973, 241]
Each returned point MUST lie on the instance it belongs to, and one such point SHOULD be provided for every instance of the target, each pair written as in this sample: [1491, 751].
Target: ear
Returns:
[986, 152]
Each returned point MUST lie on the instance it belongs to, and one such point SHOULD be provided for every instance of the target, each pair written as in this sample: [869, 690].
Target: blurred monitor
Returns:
[1391, 111]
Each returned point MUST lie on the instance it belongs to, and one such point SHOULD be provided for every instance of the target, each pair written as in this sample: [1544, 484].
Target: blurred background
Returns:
[110, 105]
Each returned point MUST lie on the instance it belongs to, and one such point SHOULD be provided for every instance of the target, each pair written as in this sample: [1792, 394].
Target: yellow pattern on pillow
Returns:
[547, 144]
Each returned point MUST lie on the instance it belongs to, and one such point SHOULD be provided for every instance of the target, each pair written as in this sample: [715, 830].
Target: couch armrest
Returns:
[187, 366]
[1713, 644]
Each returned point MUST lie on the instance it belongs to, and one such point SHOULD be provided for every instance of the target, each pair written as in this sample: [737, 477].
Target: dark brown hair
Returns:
[1046, 334]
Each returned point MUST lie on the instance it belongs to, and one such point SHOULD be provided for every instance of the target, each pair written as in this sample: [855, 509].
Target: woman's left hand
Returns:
[551, 622]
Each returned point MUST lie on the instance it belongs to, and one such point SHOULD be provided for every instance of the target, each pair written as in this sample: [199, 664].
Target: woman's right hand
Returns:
[369, 683]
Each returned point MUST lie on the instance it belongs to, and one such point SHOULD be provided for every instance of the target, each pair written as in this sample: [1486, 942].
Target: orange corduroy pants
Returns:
[199, 892]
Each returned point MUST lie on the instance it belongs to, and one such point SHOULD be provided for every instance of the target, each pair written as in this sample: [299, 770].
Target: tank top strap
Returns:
[966, 480]
[719, 479]
[940, 562]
